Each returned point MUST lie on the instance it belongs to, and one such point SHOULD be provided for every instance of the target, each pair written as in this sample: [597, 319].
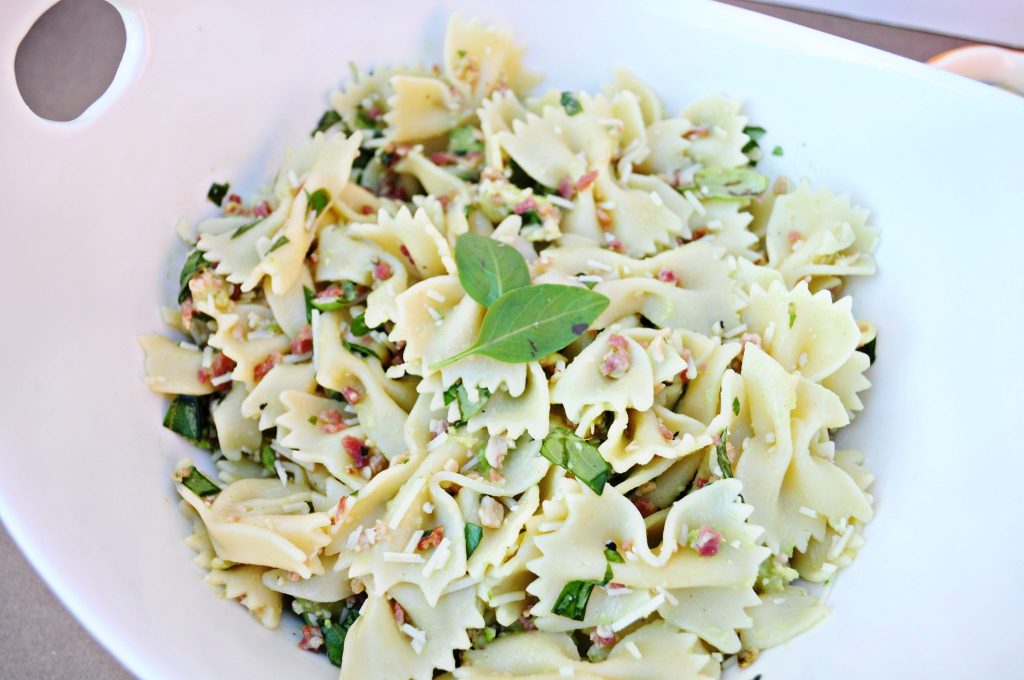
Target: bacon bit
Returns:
[750, 338]
[236, 292]
[398, 612]
[794, 236]
[221, 364]
[566, 189]
[351, 395]
[667, 276]
[234, 198]
[266, 365]
[187, 310]
[527, 623]
[604, 636]
[303, 342]
[332, 421]
[382, 270]
[378, 464]
[708, 541]
[586, 180]
[699, 233]
[443, 158]
[644, 505]
[432, 539]
[366, 210]
[525, 205]
[405, 251]
[604, 220]
[203, 376]
[617, 361]
[445, 200]
[340, 509]
[615, 245]
[699, 132]
[700, 483]
[261, 210]
[664, 431]
[354, 447]
[313, 259]
[312, 638]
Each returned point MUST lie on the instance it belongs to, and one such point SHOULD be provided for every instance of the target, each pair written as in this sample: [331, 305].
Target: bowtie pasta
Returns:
[510, 385]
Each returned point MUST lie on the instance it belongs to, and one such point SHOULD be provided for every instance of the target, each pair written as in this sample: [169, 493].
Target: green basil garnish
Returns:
[318, 200]
[571, 104]
[189, 416]
[488, 269]
[326, 122]
[277, 244]
[721, 451]
[198, 483]
[245, 227]
[360, 350]
[335, 633]
[467, 408]
[193, 264]
[268, 457]
[474, 532]
[570, 451]
[217, 192]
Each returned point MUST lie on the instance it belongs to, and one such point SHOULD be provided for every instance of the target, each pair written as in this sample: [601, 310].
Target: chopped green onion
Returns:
[474, 532]
[578, 456]
[198, 483]
[217, 192]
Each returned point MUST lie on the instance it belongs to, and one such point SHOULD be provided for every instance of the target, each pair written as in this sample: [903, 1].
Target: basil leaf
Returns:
[277, 244]
[462, 140]
[572, 600]
[565, 449]
[571, 104]
[349, 294]
[335, 634]
[613, 556]
[474, 532]
[869, 349]
[730, 183]
[268, 457]
[308, 295]
[318, 200]
[488, 269]
[217, 192]
[531, 217]
[608, 575]
[755, 133]
[792, 314]
[531, 322]
[189, 416]
[777, 151]
[365, 122]
[521, 179]
[198, 483]
[326, 122]
[723, 456]
[359, 328]
[360, 350]
[244, 228]
[193, 263]
[735, 406]
[467, 408]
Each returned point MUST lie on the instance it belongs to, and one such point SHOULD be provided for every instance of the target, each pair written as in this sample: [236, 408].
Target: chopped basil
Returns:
[735, 406]
[193, 263]
[359, 327]
[217, 192]
[268, 457]
[869, 349]
[521, 179]
[277, 244]
[308, 295]
[360, 350]
[245, 227]
[198, 483]
[474, 532]
[777, 151]
[335, 632]
[571, 104]
[730, 183]
[365, 122]
[189, 416]
[463, 139]
[326, 122]
[792, 314]
[528, 323]
[531, 217]
[572, 600]
[318, 200]
[721, 451]
[488, 268]
[467, 408]
[755, 133]
[613, 555]
[565, 449]
[349, 294]
[313, 420]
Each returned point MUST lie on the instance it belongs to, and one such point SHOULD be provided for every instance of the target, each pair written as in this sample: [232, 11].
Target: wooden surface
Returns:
[38, 637]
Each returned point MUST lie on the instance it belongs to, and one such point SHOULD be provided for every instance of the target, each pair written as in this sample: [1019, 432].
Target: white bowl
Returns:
[216, 91]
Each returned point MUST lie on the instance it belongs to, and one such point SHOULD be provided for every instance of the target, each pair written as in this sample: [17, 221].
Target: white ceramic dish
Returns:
[215, 91]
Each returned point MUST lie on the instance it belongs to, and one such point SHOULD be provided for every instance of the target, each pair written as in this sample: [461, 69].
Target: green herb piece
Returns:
[723, 455]
[349, 294]
[189, 416]
[462, 140]
[531, 322]
[572, 600]
[335, 632]
[730, 183]
[318, 200]
[608, 575]
[735, 406]
[198, 483]
[365, 122]
[521, 179]
[326, 122]
[359, 327]
[193, 264]
[777, 151]
[773, 577]
[531, 217]
[474, 532]
[792, 314]
[360, 350]
[488, 269]
[268, 457]
[308, 295]
[565, 449]
[571, 104]
[869, 349]
[313, 420]
[245, 227]
[217, 192]
[277, 244]
[613, 556]
[755, 133]
[467, 407]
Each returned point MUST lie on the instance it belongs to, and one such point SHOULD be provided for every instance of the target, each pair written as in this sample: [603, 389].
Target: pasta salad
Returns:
[510, 385]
